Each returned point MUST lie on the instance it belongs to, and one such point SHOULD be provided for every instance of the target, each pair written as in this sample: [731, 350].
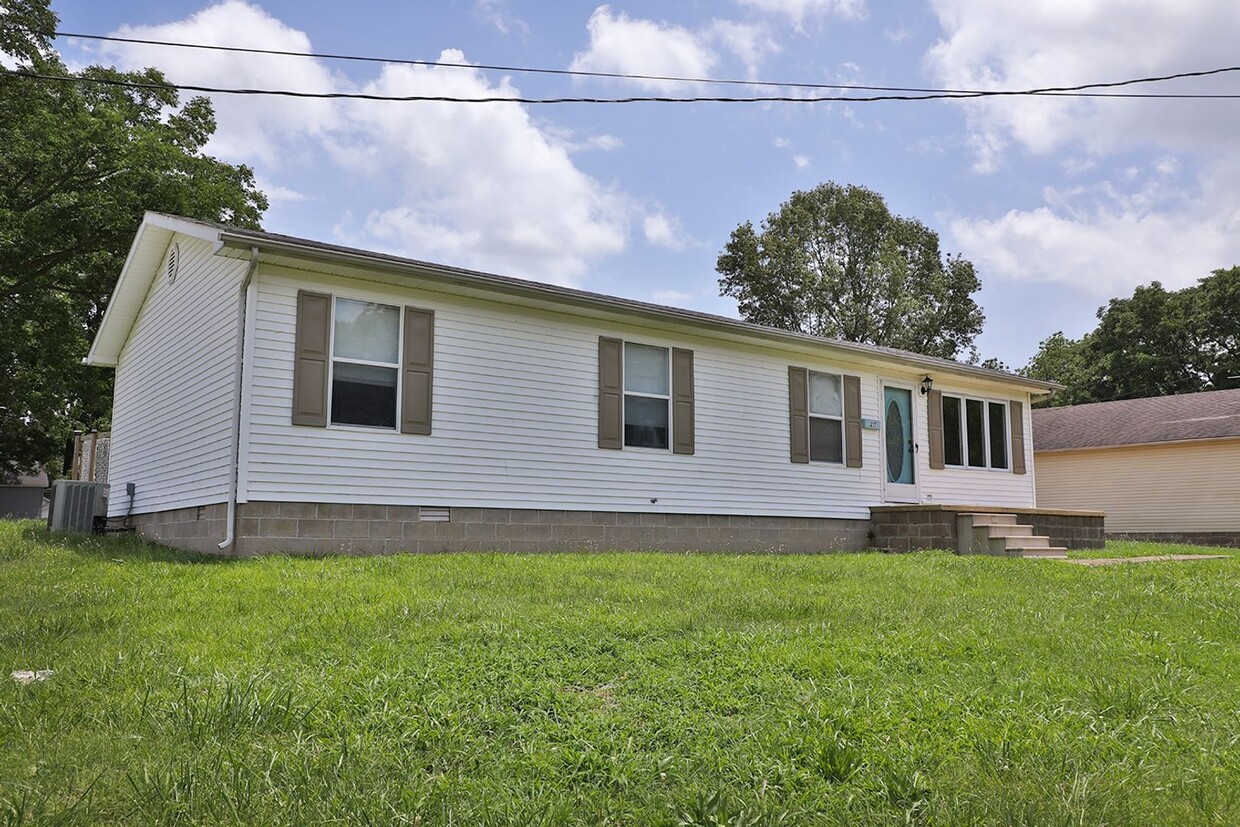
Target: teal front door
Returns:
[899, 449]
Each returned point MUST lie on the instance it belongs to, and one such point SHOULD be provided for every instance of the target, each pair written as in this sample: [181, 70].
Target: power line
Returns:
[490, 67]
[289, 93]
[1050, 90]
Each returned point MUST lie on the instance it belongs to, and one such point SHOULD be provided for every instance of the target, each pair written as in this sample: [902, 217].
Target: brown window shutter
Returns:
[852, 421]
[682, 401]
[418, 368]
[610, 393]
[1017, 426]
[798, 414]
[310, 359]
[934, 424]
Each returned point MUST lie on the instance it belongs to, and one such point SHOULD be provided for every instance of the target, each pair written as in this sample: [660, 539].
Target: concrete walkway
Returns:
[1161, 558]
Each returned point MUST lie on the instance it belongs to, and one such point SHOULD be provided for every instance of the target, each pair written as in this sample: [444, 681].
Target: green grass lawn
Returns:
[1144, 549]
[614, 689]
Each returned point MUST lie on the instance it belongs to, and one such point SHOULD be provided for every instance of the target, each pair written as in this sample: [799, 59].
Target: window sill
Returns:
[365, 429]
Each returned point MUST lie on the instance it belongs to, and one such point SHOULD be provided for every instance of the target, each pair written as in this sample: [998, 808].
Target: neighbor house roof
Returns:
[10, 477]
[157, 230]
[1189, 416]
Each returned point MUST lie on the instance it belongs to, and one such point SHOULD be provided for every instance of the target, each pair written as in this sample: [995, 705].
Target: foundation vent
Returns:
[435, 515]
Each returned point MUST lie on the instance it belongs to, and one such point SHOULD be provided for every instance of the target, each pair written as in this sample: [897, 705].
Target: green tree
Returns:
[834, 261]
[1155, 342]
[1144, 345]
[1216, 310]
[79, 163]
[1067, 361]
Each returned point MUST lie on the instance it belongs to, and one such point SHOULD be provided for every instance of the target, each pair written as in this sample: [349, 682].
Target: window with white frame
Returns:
[826, 417]
[975, 433]
[365, 363]
[647, 396]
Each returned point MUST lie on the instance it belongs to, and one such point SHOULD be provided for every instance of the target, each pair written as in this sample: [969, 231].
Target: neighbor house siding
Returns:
[515, 422]
[976, 486]
[174, 398]
[1172, 488]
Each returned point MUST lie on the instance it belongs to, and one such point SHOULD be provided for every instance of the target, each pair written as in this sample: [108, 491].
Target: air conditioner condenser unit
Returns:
[74, 505]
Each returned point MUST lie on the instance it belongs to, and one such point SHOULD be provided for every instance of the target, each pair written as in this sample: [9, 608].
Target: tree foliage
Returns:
[1153, 343]
[835, 262]
[79, 164]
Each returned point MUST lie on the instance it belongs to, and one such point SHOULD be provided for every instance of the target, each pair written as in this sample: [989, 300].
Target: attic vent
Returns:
[174, 263]
[435, 515]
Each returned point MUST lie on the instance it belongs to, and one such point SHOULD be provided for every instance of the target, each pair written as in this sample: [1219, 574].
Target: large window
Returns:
[975, 433]
[365, 363]
[826, 418]
[647, 396]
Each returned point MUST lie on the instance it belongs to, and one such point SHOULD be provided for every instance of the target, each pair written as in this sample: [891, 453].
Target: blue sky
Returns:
[1060, 203]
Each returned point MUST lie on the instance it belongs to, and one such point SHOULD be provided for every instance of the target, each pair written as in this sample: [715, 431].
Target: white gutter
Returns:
[243, 309]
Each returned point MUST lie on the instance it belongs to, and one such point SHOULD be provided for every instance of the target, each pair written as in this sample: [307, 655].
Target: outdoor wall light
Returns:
[927, 385]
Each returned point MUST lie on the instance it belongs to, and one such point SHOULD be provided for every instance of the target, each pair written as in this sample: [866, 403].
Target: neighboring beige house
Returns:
[1161, 468]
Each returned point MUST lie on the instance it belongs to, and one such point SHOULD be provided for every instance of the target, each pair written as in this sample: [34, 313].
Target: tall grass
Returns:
[616, 689]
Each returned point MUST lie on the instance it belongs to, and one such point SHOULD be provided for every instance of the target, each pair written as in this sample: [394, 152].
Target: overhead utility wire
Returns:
[288, 93]
[491, 68]
[663, 78]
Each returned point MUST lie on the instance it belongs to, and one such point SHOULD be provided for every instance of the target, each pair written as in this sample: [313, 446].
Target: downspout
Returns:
[238, 379]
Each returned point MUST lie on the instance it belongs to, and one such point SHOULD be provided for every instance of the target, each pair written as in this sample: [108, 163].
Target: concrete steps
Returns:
[1002, 536]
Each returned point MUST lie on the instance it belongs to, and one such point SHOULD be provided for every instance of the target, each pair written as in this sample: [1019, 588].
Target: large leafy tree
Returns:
[834, 261]
[1156, 342]
[79, 163]
[1066, 361]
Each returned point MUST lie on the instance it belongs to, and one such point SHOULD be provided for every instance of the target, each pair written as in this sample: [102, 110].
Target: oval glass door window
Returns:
[895, 442]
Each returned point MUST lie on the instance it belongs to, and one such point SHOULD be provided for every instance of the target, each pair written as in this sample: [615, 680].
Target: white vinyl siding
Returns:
[516, 410]
[1176, 487]
[976, 486]
[173, 405]
[516, 407]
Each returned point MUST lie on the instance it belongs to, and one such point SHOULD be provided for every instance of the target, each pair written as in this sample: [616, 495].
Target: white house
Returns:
[279, 394]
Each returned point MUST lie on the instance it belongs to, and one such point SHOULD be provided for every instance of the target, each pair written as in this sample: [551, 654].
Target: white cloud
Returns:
[665, 231]
[801, 161]
[799, 10]
[1145, 220]
[624, 45]
[278, 194]
[482, 186]
[496, 13]
[1042, 43]
[568, 139]
[1104, 241]
[249, 128]
[673, 297]
[749, 43]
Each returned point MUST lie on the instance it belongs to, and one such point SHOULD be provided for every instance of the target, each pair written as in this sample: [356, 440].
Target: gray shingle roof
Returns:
[1210, 415]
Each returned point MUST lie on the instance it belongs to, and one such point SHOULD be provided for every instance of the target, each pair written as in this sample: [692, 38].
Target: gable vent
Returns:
[174, 263]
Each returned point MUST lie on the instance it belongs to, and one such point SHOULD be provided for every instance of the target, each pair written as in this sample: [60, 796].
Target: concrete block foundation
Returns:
[343, 528]
[336, 528]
